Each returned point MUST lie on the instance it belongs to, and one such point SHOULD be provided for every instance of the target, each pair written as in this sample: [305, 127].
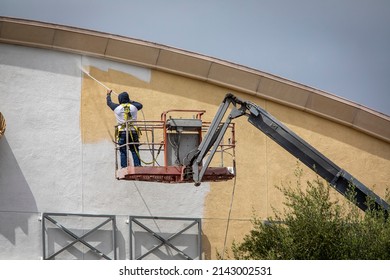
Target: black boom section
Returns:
[341, 180]
[296, 146]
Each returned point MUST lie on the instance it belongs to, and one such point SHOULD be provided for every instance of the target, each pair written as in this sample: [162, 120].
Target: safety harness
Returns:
[126, 108]
[122, 127]
[127, 116]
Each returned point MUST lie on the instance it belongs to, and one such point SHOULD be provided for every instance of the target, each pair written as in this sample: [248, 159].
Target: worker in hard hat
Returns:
[126, 111]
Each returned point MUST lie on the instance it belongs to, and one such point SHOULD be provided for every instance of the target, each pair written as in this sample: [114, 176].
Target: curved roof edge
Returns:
[201, 67]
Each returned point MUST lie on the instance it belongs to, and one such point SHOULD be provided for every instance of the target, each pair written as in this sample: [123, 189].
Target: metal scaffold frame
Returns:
[163, 240]
[68, 232]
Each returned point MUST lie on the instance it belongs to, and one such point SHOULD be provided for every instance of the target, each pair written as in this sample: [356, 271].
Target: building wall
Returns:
[57, 154]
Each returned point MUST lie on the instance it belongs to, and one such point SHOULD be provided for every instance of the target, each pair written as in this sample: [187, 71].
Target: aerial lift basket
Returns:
[167, 145]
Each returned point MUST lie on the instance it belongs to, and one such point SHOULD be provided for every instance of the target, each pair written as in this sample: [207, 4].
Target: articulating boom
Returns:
[337, 177]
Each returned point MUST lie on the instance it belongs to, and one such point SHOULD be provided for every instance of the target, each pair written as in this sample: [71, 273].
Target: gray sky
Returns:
[339, 46]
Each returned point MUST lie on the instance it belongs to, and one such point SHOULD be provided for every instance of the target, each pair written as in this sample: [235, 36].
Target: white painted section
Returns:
[45, 167]
[104, 65]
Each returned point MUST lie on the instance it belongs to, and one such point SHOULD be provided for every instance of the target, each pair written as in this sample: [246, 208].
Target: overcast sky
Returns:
[338, 46]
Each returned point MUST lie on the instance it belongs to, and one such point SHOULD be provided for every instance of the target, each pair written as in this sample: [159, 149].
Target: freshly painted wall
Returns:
[57, 154]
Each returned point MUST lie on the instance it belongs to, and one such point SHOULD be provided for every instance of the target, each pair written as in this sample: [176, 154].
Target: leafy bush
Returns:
[315, 227]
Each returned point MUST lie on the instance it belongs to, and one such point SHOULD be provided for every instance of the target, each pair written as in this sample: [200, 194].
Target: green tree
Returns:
[313, 226]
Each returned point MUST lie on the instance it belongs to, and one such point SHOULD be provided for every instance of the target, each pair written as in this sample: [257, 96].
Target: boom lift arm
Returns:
[340, 179]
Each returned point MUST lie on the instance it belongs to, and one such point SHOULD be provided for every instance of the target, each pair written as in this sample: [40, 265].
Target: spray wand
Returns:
[106, 87]
[100, 83]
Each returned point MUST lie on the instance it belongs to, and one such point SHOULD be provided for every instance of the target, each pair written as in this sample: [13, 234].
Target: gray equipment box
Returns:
[184, 124]
[183, 140]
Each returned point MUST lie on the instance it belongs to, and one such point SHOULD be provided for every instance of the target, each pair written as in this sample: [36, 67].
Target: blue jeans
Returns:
[134, 148]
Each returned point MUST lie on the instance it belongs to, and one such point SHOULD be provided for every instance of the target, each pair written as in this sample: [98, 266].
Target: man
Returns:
[126, 111]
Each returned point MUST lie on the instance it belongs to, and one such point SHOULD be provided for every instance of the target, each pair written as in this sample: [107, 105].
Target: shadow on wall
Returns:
[206, 250]
[15, 194]
[100, 241]
[149, 246]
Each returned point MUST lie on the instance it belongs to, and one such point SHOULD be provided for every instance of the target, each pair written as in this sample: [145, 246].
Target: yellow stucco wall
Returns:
[261, 163]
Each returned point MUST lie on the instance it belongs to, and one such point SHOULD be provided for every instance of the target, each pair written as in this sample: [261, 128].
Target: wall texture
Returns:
[57, 154]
